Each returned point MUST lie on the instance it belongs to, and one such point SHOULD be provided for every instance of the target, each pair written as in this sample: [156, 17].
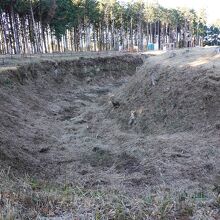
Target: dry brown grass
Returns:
[12, 61]
[96, 170]
[30, 198]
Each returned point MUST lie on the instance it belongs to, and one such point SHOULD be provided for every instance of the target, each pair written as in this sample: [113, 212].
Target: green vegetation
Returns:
[41, 26]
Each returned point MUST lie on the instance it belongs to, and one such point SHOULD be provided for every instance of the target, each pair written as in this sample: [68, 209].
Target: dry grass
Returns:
[97, 165]
[195, 57]
[168, 91]
[29, 198]
[8, 62]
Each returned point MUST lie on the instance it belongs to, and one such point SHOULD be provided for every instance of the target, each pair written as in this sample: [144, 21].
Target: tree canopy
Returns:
[32, 26]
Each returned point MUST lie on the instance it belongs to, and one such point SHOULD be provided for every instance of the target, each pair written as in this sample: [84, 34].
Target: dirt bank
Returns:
[36, 98]
[176, 92]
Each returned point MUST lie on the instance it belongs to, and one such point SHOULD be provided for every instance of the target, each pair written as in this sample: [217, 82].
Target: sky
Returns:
[212, 6]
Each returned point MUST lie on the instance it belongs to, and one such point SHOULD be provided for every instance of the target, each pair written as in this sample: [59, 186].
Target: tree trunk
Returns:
[159, 33]
[88, 37]
[131, 34]
[34, 28]
[80, 39]
[4, 31]
[15, 27]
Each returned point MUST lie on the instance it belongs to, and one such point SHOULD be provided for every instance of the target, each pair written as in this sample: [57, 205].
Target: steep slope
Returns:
[178, 91]
[34, 97]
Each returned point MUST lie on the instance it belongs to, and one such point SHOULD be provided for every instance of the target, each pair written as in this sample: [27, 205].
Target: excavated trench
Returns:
[69, 120]
[94, 123]
[52, 114]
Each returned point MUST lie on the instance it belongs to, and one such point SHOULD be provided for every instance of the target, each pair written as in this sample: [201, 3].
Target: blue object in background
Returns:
[150, 46]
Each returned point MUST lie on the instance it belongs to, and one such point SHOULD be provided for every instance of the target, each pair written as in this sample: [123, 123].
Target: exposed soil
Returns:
[46, 108]
[90, 123]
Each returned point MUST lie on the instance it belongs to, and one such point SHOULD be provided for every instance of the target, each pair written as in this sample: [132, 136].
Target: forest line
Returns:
[46, 26]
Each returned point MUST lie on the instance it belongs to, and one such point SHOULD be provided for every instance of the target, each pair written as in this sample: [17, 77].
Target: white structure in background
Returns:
[120, 48]
[156, 46]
